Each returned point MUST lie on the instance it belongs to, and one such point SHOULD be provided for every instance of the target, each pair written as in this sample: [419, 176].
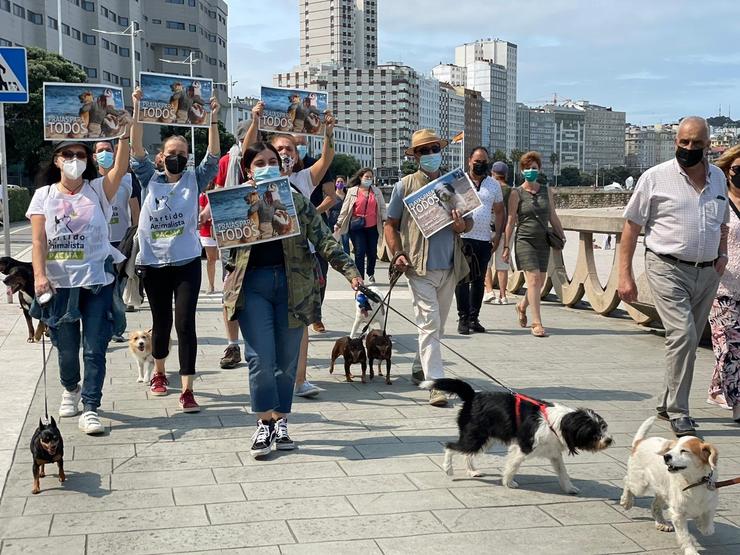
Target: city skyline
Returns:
[655, 74]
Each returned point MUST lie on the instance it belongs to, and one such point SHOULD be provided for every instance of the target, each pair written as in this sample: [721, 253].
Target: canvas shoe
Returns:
[437, 398]
[70, 405]
[262, 439]
[187, 402]
[489, 297]
[307, 389]
[89, 423]
[158, 385]
[282, 439]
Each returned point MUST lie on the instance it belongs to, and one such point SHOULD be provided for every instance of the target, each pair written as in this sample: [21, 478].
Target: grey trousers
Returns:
[683, 296]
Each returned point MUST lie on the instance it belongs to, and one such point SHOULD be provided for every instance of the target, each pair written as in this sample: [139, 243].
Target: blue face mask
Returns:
[302, 151]
[105, 159]
[430, 162]
[266, 172]
[531, 175]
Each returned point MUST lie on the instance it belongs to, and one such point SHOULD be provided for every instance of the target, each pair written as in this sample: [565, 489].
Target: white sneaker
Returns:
[489, 297]
[371, 280]
[70, 405]
[503, 300]
[307, 389]
[90, 423]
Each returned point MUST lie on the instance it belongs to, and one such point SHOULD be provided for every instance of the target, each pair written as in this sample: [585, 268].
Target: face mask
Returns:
[531, 175]
[430, 162]
[105, 159]
[480, 168]
[74, 169]
[302, 151]
[689, 158]
[288, 162]
[735, 180]
[340, 185]
[266, 172]
[366, 183]
[175, 164]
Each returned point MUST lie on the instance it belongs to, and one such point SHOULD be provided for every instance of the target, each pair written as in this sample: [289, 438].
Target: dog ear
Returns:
[41, 423]
[709, 454]
[667, 446]
[53, 422]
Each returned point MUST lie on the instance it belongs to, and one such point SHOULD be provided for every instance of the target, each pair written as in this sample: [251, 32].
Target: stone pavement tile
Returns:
[305, 453]
[66, 545]
[180, 448]
[129, 519]
[12, 506]
[317, 487]
[441, 435]
[179, 421]
[584, 540]
[644, 534]
[265, 471]
[89, 452]
[25, 526]
[264, 550]
[407, 501]
[189, 539]
[372, 414]
[114, 500]
[532, 494]
[81, 482]
[255, 511]
[494, 518]
[588, 512]
[358, 547]
[175, 462]
[369, 467]
[118, 436]
[138, 415]
[358, 437]
[388, 450]
[199, 495]
[159, 478]
[364, 527]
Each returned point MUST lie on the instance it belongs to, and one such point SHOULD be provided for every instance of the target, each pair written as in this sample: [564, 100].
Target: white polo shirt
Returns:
[678, 220]
[489, 194]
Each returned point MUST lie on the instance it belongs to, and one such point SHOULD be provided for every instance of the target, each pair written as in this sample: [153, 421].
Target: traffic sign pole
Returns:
[4, 179]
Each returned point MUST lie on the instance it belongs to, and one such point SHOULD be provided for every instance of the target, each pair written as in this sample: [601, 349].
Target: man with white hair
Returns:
[683, 206]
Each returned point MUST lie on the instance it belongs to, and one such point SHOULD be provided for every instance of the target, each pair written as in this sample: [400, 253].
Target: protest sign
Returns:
[432, 205]
[83, 112]
[175, 100]
[293, 111]
[247, 215]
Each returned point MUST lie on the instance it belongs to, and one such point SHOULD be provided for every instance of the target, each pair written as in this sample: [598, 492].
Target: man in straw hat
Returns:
[433, 266]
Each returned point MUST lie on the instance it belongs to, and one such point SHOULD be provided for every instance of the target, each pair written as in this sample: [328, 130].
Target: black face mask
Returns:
[735, 180]
[689, 158]
[176, 163]
[480, 168]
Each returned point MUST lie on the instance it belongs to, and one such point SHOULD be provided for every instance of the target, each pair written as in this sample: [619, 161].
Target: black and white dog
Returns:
[529, 427]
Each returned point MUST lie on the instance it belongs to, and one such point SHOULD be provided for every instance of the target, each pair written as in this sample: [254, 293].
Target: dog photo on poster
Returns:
[293, 111]
[175, 100]
[432, 205]
[250, 214]
[83, 112]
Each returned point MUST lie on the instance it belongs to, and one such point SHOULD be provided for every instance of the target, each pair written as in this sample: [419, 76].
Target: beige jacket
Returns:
[348, 206]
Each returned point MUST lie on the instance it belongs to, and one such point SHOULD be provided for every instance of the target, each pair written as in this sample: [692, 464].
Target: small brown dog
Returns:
[353, 352]
[140, 346]
[47, 446]
[379, 347]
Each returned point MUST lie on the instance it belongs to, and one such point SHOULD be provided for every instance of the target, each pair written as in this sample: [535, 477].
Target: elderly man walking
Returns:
[433, 266]
[683, 206]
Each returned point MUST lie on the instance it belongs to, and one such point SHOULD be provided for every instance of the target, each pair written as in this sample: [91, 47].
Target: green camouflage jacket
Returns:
[304, 300]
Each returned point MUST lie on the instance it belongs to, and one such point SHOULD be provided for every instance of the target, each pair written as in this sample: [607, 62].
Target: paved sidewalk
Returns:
[367, 477]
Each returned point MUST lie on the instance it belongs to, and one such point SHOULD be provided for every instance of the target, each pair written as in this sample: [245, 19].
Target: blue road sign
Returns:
[13, 75]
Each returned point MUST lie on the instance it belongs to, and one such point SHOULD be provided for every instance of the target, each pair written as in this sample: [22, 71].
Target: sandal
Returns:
[538, 330]
[521, 315]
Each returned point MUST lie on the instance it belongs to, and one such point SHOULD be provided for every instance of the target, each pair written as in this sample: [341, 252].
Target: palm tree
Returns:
[554, 159]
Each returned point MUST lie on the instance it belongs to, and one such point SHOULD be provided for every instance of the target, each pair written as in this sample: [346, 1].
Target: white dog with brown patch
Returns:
[681, 474]
[140, 346]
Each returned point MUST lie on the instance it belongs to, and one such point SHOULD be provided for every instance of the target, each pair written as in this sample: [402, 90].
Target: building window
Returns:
[123, 21]
[36, 18]
[124, 52]
[193, 28]
[175, 1]
[170, 50]
[53, 23]
[157, 21]
[4, 42]
[89, 39]
[19, 11]
[88, 6]
[106, 76]
[65, 29]
[91, 72]
[5, 5]
[176, 25]
[191, 3]
[125, 82]
[75, 34]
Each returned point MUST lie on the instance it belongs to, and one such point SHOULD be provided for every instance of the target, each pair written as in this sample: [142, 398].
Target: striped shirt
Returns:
[678, 220]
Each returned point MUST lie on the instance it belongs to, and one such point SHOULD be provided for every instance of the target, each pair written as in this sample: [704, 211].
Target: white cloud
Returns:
[641, 76]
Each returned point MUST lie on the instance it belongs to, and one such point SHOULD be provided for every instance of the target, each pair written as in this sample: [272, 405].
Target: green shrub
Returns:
[19, 199]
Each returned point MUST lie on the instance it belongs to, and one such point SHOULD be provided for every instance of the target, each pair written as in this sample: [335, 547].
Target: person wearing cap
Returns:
[433, 266]
[73, 261]
[499, 172]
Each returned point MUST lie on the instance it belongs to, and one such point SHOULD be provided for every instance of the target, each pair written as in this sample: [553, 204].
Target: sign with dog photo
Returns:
[432, 205]
[293, 111]
[83, 112]
[247, 215]
[175, 100]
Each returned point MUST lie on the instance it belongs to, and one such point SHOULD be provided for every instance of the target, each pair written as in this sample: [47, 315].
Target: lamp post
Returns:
[59, 26]
[189, 61]
[131, 31]
[231, 103]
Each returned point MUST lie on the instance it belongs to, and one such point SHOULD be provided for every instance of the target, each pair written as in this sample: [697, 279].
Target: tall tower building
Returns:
[339, 32]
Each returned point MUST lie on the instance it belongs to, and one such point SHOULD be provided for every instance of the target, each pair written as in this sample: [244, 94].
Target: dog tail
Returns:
[643, 430]
[458, 387]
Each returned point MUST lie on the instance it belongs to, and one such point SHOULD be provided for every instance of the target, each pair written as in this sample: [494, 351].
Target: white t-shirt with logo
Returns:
[120, 219]
[489, 194]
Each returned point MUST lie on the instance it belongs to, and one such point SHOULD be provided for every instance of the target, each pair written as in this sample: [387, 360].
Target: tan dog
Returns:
[666, 467]
[140, 345]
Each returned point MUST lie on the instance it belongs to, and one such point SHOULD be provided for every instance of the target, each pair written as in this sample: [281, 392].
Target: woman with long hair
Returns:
[205, 229]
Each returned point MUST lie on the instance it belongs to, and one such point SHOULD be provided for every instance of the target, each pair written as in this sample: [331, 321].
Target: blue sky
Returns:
[657, 60]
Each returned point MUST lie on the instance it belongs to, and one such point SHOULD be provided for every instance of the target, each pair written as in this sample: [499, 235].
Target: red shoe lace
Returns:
[187, 399]
[159, 380]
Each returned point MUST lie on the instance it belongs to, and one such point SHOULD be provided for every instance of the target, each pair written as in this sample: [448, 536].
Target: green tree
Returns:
[499, 156]
[516, 176]
[24, 123]
[226, 139]
[569, 177]
[408, 167]
[344, 164]
[587, 179]
[618, 174]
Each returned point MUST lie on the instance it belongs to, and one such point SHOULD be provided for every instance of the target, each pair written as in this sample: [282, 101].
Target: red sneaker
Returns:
[187, 402]
[158, 385]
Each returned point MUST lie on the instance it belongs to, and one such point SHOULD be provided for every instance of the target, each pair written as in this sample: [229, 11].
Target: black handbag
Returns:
[357, 223]
[473, 264]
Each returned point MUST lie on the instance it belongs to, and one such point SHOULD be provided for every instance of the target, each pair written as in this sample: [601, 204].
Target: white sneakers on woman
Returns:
[70, 405]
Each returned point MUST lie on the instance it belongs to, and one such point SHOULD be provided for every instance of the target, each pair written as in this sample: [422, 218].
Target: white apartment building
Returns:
[450, 73]
[236, 111]
[429, 103]
[341, 32]
[352, 142]
[452, 122]
[648, 145]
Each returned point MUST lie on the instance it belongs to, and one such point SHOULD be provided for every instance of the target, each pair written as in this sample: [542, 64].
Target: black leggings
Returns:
[184, 283]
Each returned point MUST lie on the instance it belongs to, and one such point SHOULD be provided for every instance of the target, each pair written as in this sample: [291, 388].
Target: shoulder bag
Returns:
[553, 239]
[357, 223]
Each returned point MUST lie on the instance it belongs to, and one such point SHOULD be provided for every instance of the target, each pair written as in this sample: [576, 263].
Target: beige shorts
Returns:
[497, 261]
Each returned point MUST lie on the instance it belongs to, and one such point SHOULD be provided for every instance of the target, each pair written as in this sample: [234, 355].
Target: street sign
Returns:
[13, 75]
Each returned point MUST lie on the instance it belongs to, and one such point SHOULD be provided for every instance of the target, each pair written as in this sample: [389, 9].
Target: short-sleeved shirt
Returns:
[441, 244]
[678, 220]
[489, 194]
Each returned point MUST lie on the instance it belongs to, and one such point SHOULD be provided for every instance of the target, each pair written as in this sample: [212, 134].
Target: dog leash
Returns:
[394, 275]
[711, 485]
[43, 371]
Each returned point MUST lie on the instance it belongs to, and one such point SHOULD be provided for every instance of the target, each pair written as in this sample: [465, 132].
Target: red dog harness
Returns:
[518, 398]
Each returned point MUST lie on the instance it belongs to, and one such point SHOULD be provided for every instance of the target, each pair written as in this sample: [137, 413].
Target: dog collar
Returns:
[518, 398]
[706, 480]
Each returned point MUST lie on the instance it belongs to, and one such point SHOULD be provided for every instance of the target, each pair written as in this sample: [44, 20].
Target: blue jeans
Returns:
[119, 308]
[270, 346]
[345, 243]
[365, 242]
[97, 328]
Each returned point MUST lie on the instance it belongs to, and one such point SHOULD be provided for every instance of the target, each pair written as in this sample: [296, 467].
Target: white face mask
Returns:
[74, 169]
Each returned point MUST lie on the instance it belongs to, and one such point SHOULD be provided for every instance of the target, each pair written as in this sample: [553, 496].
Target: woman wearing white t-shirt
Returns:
[72, 260]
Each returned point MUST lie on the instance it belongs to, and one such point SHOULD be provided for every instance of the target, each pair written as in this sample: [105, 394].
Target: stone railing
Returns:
[585, 197]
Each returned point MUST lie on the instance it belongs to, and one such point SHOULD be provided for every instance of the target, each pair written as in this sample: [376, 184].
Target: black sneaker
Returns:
[463, 326]
[282, 439]
[262, 439]
[683, 426]
[475, 326]
[232, 357]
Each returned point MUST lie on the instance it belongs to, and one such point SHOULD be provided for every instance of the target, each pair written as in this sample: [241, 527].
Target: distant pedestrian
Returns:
[724, 317]
[499, 172]
[682, 204]
[333, 215]
[531, 209]
[205, 231]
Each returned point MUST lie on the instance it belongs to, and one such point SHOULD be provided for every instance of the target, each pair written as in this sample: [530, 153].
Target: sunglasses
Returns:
[73, 154]
[431, 149]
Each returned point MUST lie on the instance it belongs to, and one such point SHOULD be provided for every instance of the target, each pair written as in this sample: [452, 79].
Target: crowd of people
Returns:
[97, 198]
